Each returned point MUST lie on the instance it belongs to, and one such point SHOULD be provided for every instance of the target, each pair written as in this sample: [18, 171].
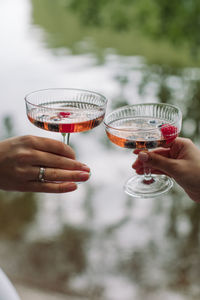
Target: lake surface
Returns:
[138, 248]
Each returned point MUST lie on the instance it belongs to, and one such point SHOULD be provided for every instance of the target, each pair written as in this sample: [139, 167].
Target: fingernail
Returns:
[84, 175]
[143, 156]
[72, 186]
[85, 168]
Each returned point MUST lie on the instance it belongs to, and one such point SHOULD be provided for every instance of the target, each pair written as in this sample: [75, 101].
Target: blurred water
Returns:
[138, 249]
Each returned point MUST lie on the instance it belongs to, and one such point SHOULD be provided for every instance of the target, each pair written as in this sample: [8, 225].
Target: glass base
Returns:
[137, 187]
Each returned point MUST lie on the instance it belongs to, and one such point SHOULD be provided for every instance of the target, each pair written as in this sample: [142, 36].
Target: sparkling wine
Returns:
[68, 119]
[131, 143]
[146, 133]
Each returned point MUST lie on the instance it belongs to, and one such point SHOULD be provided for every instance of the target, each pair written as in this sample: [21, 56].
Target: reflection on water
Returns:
[99, 243]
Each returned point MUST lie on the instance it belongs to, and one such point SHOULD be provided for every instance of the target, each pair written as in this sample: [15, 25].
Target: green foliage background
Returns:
[164, 32]
[177, 21]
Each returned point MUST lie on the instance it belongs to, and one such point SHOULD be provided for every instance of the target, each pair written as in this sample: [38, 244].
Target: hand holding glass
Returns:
[144, 126]
[65, 110]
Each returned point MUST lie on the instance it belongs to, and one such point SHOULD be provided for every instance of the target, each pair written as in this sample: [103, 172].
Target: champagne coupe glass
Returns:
[144, 126]
[65, 110]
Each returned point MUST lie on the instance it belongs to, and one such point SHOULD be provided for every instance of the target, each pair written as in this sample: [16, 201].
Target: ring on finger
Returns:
[41, 174]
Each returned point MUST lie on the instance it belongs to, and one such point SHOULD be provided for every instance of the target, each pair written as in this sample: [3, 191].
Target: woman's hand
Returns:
[181, 161]
[22, 157]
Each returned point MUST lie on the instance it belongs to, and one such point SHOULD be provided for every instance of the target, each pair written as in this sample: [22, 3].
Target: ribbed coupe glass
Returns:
[144, 126]
[65, 110]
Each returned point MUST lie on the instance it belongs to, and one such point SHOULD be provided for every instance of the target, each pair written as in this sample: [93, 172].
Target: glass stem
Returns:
[147, 173]
[148, 179]
[64, 137]
[68, 136]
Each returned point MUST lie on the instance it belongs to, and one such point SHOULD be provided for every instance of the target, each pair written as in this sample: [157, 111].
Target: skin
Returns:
[21, 158]
[180, 161]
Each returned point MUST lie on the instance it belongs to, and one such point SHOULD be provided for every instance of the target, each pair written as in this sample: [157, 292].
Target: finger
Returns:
[56, 161]
[161, 151]
[159, 162]
[137, 164]
[49, 145]
[51, 174]
[137, 151]
[50, 187]
[140, 171]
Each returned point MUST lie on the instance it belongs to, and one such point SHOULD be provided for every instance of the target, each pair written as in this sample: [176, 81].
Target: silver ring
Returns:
[41, 174]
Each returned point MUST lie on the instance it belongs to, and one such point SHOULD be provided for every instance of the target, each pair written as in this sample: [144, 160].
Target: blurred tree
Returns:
[131, 27]
[8, 126]
[177, 21]
[54, 262]
[17, 211]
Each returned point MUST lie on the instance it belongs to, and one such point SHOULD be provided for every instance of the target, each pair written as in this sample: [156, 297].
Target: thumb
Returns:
[159, 162]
